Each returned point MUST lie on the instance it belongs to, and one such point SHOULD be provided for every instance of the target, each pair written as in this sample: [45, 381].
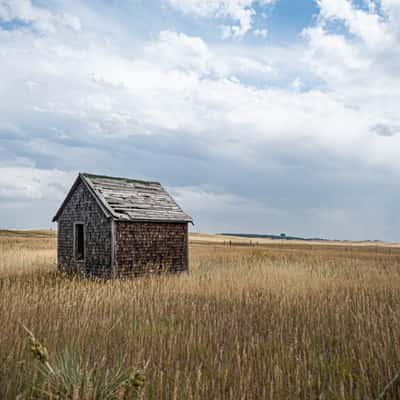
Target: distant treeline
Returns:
[285, 237]
[267, 236]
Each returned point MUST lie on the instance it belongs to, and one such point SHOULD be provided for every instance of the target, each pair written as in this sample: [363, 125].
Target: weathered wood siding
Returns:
[82, 207]
[150, 247]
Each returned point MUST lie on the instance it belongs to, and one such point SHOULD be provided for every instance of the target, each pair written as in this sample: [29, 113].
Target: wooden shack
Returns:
[111, 226]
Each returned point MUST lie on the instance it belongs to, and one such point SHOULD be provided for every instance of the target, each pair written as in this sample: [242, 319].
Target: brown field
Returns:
[274, 320]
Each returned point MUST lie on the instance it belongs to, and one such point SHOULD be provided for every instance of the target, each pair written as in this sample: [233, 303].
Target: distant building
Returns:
[117, 227]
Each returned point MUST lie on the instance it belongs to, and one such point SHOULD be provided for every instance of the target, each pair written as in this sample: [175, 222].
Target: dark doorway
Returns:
[79, 242]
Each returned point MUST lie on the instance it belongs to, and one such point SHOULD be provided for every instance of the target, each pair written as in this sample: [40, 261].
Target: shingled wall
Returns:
[82, 207]
[150, 247]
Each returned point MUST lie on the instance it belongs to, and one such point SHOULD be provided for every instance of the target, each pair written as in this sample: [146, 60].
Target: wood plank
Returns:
[138, 200]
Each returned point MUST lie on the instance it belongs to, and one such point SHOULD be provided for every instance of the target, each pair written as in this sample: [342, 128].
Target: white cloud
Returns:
[29, 183]
[360, 72]
[178, 84]
[178, 51]
[224, 210]
[237, 10]
[74, 98]
[200, 200]
[40, 18]
[369, 26]
[297, 84]
[260, 32]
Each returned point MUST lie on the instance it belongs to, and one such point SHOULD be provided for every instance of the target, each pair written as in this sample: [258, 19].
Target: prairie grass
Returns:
[261, 322]
[26, 253]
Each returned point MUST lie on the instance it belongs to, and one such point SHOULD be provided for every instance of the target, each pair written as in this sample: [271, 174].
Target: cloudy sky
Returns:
[262, 116]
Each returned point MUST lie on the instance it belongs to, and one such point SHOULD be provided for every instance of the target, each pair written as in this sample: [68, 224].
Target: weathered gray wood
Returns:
[130, 228]
[149, 247]
[127, 199]
[82, 207]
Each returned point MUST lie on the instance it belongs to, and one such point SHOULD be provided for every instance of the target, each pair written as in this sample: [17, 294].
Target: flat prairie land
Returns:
[241, 240]
[270, 320]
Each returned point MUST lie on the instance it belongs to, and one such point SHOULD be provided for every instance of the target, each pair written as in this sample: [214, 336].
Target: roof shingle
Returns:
[134, 200]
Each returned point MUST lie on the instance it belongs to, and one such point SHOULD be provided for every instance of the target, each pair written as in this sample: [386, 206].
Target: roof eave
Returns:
[82, 178]
[172, 221]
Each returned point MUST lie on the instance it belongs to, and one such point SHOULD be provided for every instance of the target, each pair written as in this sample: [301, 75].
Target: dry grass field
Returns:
[272, 321]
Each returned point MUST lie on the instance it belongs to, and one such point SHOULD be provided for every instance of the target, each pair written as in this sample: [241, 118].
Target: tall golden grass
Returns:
[261, 322]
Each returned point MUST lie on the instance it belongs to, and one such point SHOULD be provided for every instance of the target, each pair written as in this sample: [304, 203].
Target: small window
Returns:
[79, 242]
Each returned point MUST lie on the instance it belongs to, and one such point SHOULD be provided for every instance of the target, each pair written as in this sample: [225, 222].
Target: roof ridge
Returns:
[117, 178]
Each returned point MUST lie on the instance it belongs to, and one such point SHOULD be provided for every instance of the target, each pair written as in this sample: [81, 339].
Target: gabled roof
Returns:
[126, 199]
